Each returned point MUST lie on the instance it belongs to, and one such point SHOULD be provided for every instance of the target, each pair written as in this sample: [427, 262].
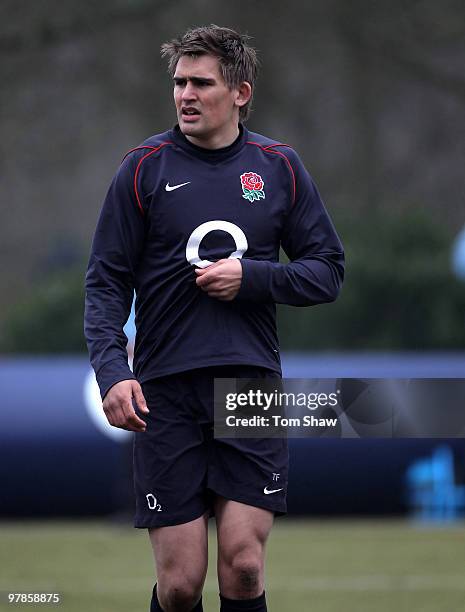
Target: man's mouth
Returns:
[189, 111]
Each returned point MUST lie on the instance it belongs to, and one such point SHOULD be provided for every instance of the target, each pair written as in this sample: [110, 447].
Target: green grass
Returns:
[374, 566]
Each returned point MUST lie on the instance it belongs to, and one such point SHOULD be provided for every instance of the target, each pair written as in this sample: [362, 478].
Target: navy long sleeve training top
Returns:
[173, 206]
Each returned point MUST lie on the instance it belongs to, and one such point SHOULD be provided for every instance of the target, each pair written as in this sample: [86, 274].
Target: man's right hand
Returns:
[119, 409]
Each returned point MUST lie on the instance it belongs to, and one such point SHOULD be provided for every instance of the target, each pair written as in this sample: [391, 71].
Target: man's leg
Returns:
[181, 557]
[242, 534]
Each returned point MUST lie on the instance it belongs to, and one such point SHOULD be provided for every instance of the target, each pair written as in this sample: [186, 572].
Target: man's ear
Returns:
[244, 93]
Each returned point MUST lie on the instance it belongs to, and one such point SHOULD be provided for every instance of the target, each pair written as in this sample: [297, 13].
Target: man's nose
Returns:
[189, 92]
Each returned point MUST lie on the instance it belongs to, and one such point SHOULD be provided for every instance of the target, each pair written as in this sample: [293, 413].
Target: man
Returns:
[193, 221]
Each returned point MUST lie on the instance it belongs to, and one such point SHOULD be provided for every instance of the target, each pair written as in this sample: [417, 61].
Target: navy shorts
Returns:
[179, 466]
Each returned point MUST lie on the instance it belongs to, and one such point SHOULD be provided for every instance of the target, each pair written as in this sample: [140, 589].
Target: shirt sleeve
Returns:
[315, 271]
[110, 278]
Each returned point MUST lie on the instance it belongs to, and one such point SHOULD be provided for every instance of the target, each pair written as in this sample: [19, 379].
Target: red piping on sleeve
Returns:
[269, 149]
[279, 144]
[137, 149]
[136, 174]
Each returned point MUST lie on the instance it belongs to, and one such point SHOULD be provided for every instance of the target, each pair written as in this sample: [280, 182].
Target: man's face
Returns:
[205, 106]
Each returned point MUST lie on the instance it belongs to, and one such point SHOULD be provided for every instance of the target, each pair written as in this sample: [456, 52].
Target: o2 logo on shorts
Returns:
[152, 502]
[192, 248]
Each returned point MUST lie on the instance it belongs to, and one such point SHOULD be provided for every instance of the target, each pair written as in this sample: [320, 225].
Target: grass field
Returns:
[312, 566]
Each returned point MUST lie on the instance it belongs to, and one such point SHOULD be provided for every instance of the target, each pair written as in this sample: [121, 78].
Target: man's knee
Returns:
[246, 571]
[243, 571]
[177, 593]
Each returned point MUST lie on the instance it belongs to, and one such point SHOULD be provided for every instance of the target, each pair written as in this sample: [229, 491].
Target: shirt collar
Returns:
[213, 155]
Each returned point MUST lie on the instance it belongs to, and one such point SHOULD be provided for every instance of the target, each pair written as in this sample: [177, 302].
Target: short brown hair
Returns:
[238, 60]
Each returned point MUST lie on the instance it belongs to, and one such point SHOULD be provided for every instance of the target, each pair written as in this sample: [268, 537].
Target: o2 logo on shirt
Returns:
[193, 244]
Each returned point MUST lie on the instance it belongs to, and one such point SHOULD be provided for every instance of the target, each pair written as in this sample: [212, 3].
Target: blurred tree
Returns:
[50, 319]
[399, 292]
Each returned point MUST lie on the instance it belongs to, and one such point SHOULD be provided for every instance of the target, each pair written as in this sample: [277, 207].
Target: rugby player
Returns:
[193, 222]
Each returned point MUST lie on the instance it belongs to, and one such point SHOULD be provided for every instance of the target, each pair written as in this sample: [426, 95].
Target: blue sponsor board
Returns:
[58, 456]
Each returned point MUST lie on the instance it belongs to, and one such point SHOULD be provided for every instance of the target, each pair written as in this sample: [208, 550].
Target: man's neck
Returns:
[216, 141]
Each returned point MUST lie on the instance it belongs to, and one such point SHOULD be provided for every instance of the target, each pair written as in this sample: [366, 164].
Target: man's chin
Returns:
[190, 129]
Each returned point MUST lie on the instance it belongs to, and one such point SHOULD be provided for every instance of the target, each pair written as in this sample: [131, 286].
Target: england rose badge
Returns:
[252, 186]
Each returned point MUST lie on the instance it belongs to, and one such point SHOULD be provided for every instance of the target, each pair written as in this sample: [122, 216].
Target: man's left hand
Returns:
[221, 280]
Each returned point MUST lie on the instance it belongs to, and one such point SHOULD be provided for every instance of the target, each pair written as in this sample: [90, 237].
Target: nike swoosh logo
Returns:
[268, 492]
[168, 187]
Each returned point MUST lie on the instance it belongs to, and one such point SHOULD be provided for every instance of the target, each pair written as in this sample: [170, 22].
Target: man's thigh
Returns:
[181, 549]
[241, 524]
[170, 457]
